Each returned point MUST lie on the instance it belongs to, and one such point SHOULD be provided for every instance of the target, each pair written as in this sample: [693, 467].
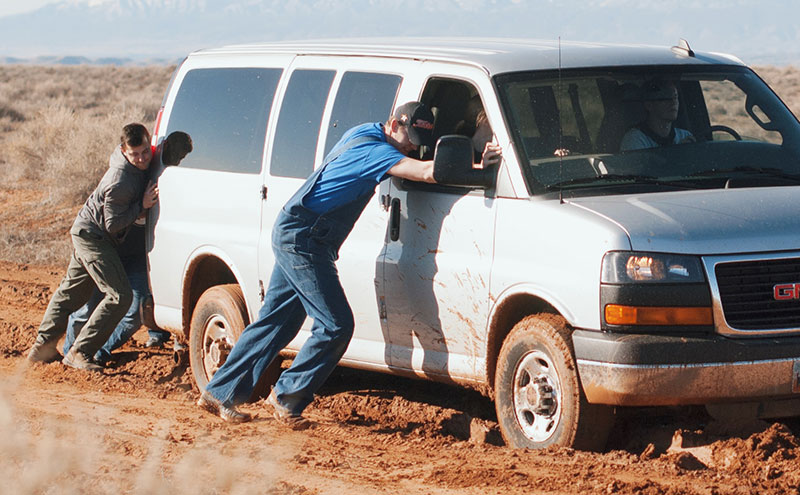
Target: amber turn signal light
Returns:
[656, 315]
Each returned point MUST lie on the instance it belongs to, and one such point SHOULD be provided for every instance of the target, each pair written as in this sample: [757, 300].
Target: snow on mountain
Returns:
[762, 31]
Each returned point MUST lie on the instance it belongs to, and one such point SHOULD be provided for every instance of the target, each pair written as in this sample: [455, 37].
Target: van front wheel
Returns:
[218, 320]
[538, 397]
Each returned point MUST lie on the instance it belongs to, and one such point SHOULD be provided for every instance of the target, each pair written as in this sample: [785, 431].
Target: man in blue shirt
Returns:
[306, 239]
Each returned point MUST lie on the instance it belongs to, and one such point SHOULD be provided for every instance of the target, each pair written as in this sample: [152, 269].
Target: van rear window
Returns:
[362, 97]
[226, 113]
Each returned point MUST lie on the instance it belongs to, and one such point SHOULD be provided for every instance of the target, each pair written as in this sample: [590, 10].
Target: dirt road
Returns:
[135, 429]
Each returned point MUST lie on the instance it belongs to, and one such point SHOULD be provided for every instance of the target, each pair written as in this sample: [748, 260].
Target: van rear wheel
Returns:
[218, 320]
[538, 396]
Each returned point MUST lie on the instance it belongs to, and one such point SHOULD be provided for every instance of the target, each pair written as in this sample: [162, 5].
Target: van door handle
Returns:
[394, 220]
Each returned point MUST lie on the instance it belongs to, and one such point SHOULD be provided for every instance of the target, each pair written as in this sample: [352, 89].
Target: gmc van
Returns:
[577, 277]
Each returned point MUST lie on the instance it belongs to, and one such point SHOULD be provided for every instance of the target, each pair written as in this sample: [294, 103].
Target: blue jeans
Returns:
[304, 282]
[136, 270]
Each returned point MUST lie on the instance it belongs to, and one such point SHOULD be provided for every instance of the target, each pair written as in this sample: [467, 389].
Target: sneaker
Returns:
[79, 361]
[44, 352]
[216, 407]
[154, 343]
[284, 416]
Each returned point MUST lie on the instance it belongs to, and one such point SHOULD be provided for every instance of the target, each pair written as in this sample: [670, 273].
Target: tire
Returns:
[218, 320]
[538, 397]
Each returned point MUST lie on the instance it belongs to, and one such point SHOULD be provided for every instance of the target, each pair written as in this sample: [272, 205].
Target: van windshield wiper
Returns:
[619, 179]
[764, 171]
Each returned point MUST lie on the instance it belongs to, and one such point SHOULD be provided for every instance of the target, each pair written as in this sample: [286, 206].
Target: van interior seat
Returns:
[449, 106]
[623, 110]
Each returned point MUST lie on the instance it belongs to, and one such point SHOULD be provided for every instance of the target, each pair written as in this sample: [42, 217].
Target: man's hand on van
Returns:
[150, 196]
[492, 154]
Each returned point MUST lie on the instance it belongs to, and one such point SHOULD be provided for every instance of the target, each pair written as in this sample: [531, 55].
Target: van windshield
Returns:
[637, 129]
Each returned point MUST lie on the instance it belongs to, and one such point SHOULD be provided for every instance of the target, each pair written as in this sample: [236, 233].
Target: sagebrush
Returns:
[59, 124]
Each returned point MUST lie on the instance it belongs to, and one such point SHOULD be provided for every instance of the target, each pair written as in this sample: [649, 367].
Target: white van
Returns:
[578, 276]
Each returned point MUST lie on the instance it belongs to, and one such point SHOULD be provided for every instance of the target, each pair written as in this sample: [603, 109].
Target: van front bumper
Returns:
[658, 370]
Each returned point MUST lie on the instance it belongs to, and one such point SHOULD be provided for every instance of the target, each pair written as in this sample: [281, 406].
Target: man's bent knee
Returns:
[121, 298]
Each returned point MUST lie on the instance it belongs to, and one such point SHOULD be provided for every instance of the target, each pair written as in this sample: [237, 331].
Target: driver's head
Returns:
[660, 99]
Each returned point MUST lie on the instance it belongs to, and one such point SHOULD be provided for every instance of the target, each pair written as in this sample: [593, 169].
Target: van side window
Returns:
[226, 113]
[297, 133]
[454, 104]
[362, 97]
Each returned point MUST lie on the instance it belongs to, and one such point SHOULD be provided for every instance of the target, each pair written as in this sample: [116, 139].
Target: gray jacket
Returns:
[116, 201]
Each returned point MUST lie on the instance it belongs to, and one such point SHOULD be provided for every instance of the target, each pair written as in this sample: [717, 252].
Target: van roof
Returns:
[496, 56]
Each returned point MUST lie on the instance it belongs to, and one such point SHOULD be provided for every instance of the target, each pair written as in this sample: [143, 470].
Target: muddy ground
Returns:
[135, 429]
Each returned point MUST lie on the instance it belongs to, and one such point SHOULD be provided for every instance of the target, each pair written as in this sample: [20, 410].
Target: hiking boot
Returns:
[284, 416]
[44, 352]
[76, 359]
[216, 407]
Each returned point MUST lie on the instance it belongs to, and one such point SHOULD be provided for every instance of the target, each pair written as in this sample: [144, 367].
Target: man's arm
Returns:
[411, 169]
[120, 208]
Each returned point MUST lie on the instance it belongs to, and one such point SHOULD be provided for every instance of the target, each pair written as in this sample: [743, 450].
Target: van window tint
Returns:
[297, 133]
[362, 97]
[226, 112]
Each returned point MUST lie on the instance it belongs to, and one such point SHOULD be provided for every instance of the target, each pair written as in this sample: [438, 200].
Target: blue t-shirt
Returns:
[355, 172]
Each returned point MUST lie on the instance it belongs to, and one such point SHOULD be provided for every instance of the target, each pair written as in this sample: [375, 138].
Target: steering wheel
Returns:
[723, 128]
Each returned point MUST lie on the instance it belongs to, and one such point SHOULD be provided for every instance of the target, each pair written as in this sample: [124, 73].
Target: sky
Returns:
[9, 7]
[758, 31]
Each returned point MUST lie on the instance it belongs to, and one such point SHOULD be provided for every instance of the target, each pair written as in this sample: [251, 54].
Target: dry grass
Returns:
[61, 123]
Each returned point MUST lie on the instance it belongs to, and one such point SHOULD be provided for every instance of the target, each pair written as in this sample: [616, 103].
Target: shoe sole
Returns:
[207, 405]
[296, 423]
[214, 409]
[54, 359]
[285, 418]
[94, 369]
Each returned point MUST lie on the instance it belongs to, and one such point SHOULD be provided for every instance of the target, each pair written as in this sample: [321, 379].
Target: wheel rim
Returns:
[217, 344]
[537, 396]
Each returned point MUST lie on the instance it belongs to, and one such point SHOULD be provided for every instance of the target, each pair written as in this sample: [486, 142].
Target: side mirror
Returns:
[452, 164]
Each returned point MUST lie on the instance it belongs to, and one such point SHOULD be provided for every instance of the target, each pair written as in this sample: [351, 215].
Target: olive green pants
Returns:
[94, 263]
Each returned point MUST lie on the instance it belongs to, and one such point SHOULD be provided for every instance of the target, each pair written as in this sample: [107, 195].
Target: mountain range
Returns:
[139, 31]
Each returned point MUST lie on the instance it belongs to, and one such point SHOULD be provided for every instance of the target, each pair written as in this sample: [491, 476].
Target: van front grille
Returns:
[747, 292]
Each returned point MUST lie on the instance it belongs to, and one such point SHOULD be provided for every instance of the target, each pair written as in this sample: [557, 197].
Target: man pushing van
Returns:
[122, 195]
[306, 238]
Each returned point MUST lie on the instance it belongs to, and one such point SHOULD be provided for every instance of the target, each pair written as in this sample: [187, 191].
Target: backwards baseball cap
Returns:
[419, 120]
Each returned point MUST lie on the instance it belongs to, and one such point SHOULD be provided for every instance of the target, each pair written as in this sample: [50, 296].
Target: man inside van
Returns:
[660, 100]
[101, 225]
[306, 239]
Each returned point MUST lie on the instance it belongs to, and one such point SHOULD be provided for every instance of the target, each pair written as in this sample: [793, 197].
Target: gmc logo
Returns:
[785, 292]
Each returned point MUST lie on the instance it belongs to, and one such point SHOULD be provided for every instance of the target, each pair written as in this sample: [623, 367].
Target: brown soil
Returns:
[135, 428]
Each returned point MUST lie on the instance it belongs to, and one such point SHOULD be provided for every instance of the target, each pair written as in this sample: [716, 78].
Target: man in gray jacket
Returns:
[122, 195]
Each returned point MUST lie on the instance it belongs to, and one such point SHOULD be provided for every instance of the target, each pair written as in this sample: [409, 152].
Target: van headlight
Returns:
[647, 290]
[628, 267]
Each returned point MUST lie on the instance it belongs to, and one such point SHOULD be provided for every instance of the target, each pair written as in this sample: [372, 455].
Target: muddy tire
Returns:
[538, 397]
[218, 320]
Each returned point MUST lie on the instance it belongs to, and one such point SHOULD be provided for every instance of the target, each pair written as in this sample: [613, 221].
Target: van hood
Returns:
[716, 221]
